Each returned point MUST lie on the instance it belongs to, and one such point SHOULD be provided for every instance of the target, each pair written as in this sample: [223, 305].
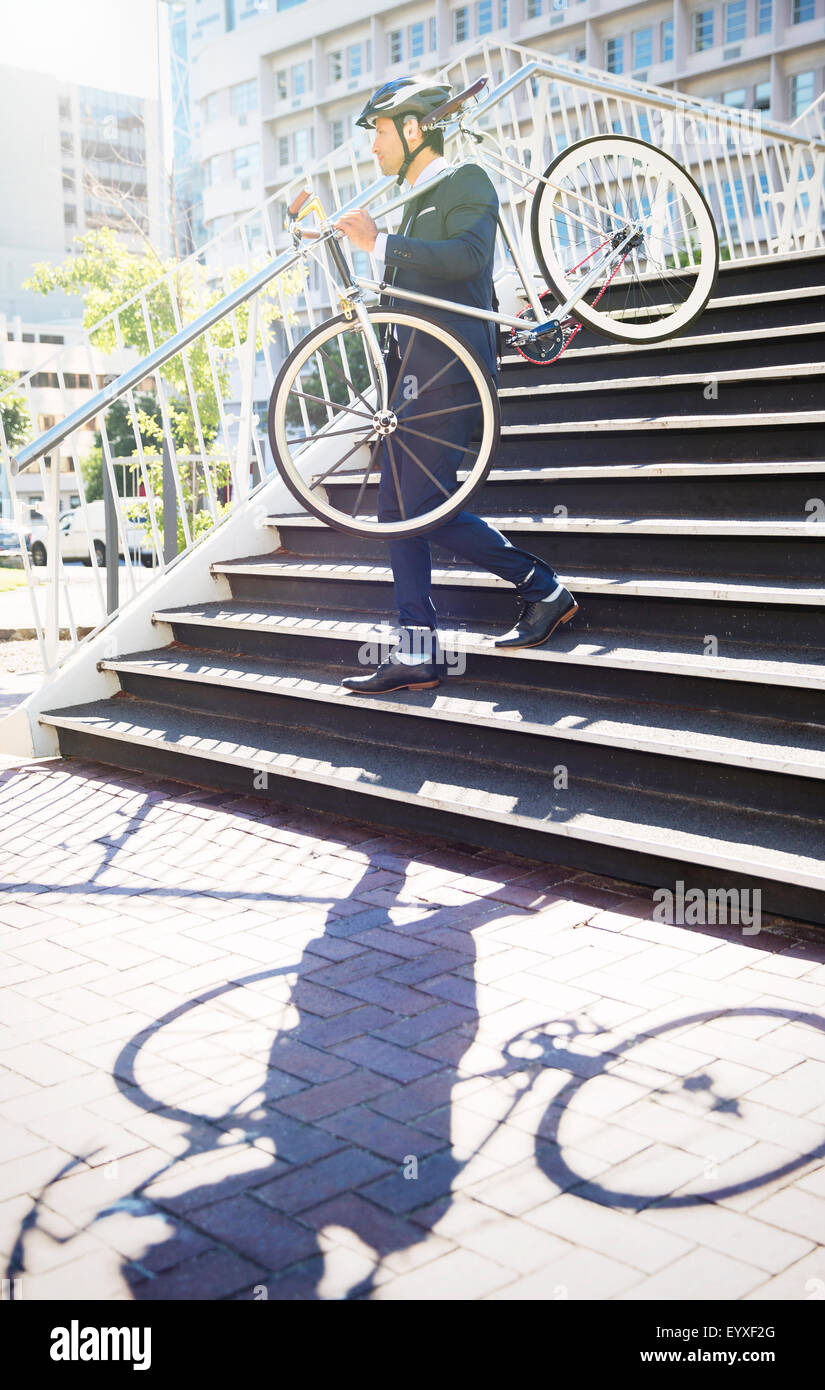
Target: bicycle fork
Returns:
[352, 303]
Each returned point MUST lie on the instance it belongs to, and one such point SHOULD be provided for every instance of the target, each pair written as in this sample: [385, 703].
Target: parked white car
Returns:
[12, 538]
[77, 530]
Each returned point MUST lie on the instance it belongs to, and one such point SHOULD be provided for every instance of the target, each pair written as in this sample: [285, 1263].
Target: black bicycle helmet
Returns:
[404, 97]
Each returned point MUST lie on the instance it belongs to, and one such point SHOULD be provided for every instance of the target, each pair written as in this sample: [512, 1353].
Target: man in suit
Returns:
[450, 256]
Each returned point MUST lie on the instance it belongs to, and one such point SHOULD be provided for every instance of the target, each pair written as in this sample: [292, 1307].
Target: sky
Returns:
[98, 43]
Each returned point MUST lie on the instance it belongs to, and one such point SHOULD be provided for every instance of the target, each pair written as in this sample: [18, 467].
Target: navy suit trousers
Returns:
[468, 537]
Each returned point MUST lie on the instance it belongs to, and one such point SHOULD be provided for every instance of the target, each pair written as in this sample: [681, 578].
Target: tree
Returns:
[140, 301]
[120, 434]
[14, 412]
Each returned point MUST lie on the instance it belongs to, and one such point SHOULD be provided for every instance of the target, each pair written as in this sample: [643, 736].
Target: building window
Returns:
[281, 85]
[69, 215]
[667, 40]
[614, 55]
[734, 98]
[801, 92]
[702, 30]
[299, 79]
[302, 146]
[532, 9]
[395, 46]
[211, 170]
[503, 13]
[64, 107]
[762, 97]
[283, 149]
[461, 25]
[230, 15]
[210, 108]
[735, 21]
[354, 60]
[764, 16]
[485, 16]
[336, 66]
[246, 161]
[336, 134]
[801, 10]
[642, 48]
[729, 192]
[433, 27]
[369, 55]
[244, 97]
[417, 40]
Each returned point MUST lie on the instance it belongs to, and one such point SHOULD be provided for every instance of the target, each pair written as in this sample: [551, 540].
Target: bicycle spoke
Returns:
[435, 440]
[426, 386]
[330, 405]
[400, 378]
[327, 434]
[401, 506]
[424, 468]
[345, 379]
[364, 481]
[316, 482]
[445, 410]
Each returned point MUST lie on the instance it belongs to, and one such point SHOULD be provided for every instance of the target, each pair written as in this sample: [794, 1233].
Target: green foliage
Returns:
[14, 412]
[119, 430]
[140, 301]
[91, 469]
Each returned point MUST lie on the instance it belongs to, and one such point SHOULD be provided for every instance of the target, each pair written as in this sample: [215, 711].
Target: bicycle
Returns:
[334, 417]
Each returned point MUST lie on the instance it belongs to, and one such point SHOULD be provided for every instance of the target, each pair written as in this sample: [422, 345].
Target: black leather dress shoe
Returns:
[396, 675]
[538, 620]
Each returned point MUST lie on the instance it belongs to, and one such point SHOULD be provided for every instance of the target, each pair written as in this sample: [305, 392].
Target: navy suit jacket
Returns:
[450, 257]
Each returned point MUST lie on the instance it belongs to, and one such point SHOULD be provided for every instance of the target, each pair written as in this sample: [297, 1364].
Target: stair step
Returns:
[782, 372]
[708, 421]
[644, 585]
[642, 652]
[755, 847]
[573, 472]
[709, 736]
[654, 526]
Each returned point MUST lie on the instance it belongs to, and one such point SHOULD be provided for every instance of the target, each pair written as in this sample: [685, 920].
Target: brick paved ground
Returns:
[241, 1047]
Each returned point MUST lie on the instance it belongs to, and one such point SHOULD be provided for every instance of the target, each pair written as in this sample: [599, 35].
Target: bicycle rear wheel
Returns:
[666, 275]
[384, 470]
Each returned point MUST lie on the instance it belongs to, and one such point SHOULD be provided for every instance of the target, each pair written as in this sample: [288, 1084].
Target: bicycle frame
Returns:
[353, 285]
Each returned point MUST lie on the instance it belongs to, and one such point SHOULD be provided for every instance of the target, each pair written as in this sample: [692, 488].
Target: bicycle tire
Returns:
[595, 320]
[367, 527]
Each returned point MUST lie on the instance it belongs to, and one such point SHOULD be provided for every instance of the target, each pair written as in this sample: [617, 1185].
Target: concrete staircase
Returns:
[675, 731]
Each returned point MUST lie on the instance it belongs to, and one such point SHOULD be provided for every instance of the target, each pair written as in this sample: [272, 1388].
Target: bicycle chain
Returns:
[570, 333]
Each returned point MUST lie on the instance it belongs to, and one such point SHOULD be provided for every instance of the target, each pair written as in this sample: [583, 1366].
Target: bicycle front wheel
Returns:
[660, 283]
[384, 468]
